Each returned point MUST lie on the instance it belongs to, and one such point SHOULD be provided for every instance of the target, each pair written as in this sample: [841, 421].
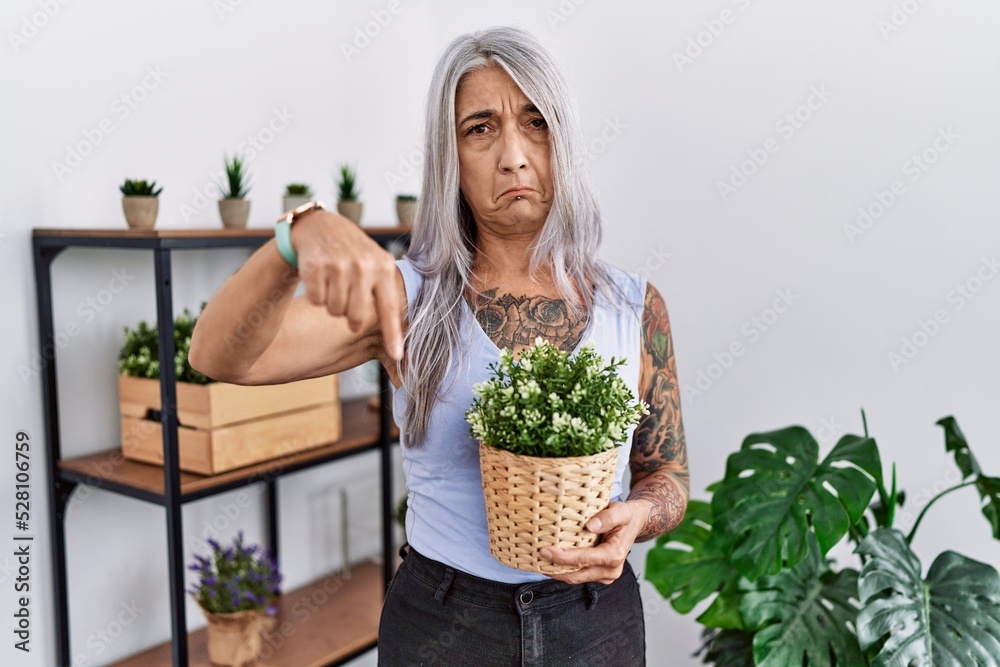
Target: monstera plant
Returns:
[759, 551]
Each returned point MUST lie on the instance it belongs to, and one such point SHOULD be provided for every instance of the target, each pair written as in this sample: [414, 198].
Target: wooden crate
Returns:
[222, 426]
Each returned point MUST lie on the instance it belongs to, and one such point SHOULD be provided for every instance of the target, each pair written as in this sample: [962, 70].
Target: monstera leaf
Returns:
[686, 576]
[726, 648]
[950, 620]
[804, 616]
[775, 489]
[988, 487]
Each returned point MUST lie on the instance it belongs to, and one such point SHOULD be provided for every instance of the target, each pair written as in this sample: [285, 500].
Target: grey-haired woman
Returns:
[503, 248]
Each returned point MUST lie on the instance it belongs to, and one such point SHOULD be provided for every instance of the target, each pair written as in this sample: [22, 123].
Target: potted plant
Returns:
[758, 549]
[234, 207]
[296, 194]
[236, 589]
[221, 426]
[347, 194]
[549, 427]
[140, 203]
[406, 209]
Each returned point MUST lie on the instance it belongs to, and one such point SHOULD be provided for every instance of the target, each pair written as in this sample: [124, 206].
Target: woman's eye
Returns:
[538, 123]
[477, 129]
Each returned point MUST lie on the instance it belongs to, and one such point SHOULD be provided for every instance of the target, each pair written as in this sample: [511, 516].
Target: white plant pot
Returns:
[405, 212]
[234, 212]
[140, 210]
[350, 209]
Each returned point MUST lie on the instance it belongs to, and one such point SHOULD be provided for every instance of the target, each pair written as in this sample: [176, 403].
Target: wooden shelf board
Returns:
[317, 624]
[360, 430]
[187, 233]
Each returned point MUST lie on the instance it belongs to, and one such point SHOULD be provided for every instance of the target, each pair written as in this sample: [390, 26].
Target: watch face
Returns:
[290, 216]
[308, 206]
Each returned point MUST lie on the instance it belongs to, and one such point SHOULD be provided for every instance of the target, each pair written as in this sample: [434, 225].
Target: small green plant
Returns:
[237, 179]
[298, 190]
[140, 354]
[136, 188]
[406, 197]
[548, 403]
[236, 578]
[347, 189]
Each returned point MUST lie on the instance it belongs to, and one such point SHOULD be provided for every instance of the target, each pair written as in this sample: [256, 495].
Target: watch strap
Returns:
[283, 237]
[283, 230]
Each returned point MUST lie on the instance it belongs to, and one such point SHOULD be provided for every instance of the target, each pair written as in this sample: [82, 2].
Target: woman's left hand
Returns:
[618, 524]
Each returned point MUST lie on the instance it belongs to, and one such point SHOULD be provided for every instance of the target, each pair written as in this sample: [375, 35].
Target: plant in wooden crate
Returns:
[236, 589]
[758, 550]
[221, 426]
[348, 194]
[140, 202]
[549, 426]
[234, 207]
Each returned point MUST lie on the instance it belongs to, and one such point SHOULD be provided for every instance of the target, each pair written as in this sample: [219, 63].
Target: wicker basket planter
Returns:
[533, 502]
[223, 426]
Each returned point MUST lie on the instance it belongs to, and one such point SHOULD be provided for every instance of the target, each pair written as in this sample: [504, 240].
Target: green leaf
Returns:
[724, 611]
[775, 490]
[726, 648]
[950, 620]
[686, 576]
[988, 487]
[803, 616]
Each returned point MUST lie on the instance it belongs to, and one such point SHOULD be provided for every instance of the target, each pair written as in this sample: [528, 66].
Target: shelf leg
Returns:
[59, 494]
[345, 535]
[271, 512]
[58, 490]
[171, 458]
[385, 448]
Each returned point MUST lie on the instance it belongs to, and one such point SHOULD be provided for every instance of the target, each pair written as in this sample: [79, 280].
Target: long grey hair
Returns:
[443, 239]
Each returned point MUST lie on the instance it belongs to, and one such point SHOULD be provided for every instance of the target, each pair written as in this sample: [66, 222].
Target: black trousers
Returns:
[435, 615]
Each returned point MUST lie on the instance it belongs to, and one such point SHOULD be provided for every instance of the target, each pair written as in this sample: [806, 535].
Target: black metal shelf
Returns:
[62, 476]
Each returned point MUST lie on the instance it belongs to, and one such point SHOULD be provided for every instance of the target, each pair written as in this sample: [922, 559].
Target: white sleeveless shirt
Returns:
[446, 515]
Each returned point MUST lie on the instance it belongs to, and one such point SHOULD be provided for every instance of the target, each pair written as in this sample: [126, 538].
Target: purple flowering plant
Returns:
[235, 578]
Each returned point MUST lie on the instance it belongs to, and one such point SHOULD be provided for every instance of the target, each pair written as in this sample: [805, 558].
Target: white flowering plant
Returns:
[548, 403]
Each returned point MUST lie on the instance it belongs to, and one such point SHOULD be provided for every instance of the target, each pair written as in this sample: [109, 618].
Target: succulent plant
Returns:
[137, 188]
[238, 180]
[347, 189]
[298, 190]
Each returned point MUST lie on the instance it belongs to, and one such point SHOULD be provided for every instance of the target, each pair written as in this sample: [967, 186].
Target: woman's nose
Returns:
[513, 155]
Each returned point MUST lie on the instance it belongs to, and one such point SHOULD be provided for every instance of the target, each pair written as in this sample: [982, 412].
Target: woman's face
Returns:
[503, 153]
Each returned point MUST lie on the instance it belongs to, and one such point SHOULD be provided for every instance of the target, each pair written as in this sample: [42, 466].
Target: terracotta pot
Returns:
[140, 210]
[288, 202]
[234, 212]
[350, 209]
[405, 212]
[234, 639]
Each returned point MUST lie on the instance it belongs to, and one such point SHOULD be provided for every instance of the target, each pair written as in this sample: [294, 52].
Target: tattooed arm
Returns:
[659, 453]
[659, 494]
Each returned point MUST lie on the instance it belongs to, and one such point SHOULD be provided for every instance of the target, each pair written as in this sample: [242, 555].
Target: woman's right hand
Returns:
[254, 330]
[345, 270]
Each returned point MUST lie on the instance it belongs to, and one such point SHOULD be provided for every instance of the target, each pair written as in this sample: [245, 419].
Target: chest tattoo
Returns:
[514, 322]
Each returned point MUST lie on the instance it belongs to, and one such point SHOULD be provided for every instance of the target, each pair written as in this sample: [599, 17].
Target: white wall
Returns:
[672, 131]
